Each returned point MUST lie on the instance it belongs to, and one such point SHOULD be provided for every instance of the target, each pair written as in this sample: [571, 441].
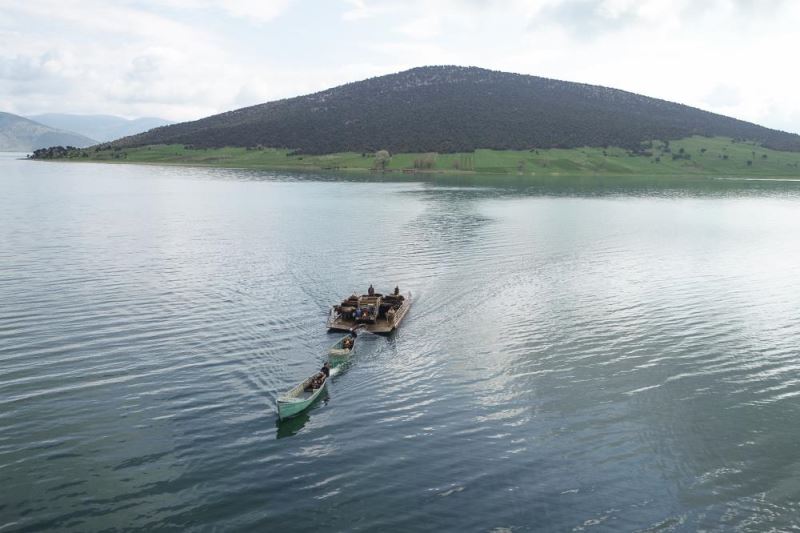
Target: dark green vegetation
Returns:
[19, 134]
[465, 120]
[716, 156]
[449, 109]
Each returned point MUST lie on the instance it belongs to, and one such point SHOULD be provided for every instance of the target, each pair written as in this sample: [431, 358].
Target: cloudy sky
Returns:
[184, 59]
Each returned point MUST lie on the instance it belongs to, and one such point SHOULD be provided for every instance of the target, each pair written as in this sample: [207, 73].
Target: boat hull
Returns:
[380, 327]
[338, 355]
[289, 406]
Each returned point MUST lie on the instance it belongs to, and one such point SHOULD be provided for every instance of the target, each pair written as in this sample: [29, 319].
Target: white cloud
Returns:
[261, 10]
[361, 10]
[183, 59]
[253, 11]
[426, 27]
[142, 63]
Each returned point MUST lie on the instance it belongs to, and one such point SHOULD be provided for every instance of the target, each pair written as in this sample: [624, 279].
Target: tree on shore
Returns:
[382, 158]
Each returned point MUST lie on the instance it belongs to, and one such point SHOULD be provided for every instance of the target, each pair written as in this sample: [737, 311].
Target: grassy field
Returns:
[687, 157]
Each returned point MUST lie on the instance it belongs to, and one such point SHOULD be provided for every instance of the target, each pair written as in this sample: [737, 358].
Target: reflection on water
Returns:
[291, 426]
[581, 353]
[593, 186]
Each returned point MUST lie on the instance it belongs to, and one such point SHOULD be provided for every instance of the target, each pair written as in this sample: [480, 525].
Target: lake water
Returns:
[581, 354]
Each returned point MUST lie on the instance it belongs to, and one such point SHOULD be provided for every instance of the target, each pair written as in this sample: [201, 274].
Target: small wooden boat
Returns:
[299, 398]
[339, 352]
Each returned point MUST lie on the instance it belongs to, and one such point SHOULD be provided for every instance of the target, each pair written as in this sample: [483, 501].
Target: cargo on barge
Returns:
[373, 312]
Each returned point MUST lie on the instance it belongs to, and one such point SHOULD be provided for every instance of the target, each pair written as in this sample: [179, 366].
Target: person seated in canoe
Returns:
[320, 377]
[347, 343]
[316, 381]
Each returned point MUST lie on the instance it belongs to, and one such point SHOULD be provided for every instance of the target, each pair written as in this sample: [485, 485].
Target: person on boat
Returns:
[371, 290]
[347, 343]
[319, 378]
[316, 381]
[396, 290]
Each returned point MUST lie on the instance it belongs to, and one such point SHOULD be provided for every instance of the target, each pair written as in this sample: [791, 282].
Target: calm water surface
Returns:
[581, 355]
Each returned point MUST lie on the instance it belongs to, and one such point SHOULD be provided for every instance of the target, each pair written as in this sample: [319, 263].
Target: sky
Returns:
[186, 59]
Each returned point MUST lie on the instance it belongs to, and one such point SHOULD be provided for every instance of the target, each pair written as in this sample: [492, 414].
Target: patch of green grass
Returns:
[700, 156]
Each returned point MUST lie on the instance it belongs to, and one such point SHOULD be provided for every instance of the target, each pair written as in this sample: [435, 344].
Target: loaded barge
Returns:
[373, 312]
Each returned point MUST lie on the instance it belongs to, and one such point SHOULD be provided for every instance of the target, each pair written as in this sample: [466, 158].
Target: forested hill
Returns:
[18, 134]
[457, 109]
[104, 128]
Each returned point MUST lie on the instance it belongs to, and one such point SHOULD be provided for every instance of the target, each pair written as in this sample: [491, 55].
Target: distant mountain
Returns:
[19, 134]
[453, 109]
[101, 127]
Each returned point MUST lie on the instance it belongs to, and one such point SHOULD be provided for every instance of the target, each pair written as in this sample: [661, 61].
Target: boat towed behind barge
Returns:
[376, 313]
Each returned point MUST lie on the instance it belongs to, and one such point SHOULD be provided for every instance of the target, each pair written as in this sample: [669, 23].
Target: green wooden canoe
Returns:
[338, 354]
[299, 398]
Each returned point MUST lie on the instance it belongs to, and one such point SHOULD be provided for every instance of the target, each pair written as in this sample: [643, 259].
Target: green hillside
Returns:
[451, 109]
[717, 156]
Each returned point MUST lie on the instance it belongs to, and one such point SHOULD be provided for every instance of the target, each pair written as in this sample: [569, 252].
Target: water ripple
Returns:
[575, 358]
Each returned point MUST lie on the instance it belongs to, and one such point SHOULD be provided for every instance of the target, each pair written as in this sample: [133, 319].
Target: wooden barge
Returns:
[376, 313]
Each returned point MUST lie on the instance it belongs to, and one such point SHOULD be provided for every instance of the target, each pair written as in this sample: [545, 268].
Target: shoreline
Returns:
[429, 175]
[693, 157]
